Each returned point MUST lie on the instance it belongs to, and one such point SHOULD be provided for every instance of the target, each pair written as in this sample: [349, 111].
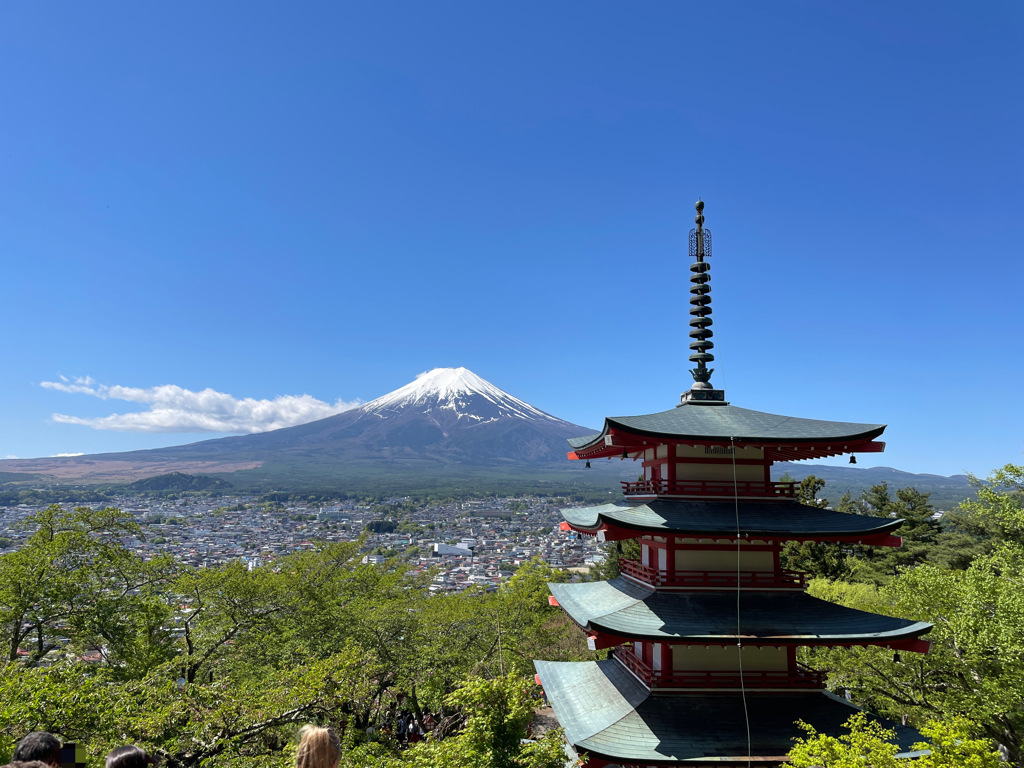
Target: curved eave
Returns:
[607, 713]
[623, 609]
[784, 438]
[872, 431]
[583, 442]
[771, 520]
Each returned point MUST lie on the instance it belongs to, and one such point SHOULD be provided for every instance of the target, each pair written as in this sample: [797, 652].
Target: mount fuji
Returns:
[447, 415]
[446, 423]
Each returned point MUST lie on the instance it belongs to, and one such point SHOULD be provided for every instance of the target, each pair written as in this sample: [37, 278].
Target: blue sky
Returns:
[214, 209]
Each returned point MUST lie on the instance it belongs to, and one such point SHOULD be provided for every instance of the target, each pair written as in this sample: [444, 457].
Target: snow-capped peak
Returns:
[454, 389]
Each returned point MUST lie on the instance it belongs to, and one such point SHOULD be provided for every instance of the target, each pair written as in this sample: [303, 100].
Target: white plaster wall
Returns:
[726, 658]
[723, 560]
[719, 472]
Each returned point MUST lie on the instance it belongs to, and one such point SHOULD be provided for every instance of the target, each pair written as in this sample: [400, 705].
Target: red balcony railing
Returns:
[744, 488]
[713, 579]
[803, 678]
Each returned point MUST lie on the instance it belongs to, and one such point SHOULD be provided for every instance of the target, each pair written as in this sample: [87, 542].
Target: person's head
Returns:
[318, 748]
[128, 757]
[38, 745]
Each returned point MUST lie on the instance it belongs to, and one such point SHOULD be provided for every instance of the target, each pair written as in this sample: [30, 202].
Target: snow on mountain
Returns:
[447, 417]
[458, 393]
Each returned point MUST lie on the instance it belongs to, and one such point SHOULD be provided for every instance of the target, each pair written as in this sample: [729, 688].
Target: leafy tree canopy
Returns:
[217, 667]
[975, 668]
[949, 745]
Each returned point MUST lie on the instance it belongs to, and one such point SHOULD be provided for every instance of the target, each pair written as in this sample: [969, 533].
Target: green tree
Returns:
[920, 532]
[224, 610]
[997, 512]
[496, 717]
[216, 666]
[65, 699]
[975, 668]
[818, 558]
[227, 722]
[529, 626]
[868, 743]
[429, 646]
[627, 549]
[72, 573]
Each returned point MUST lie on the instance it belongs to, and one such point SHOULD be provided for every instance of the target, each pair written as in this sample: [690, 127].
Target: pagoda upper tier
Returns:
[778, 438]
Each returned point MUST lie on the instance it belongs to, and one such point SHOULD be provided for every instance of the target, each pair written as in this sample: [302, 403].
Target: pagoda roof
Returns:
[608, 713]
[709, 423]
[625, 609]
[757, 519]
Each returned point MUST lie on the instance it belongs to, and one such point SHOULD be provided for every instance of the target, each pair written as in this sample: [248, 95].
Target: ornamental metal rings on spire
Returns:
[700, 302]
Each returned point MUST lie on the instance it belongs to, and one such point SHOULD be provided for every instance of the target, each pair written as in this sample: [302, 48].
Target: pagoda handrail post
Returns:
[785, 579]
[802, 677]
[747, 488]
[633, 664]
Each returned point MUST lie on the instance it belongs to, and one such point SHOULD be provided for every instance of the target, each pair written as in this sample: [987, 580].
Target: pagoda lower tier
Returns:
[616, 720]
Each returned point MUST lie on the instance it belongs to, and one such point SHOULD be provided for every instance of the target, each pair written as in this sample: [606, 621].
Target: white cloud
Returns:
[80, 384]
[66, 455]
[175, 409]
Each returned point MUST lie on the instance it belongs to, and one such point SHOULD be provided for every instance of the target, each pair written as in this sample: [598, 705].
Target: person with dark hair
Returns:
[27, 764]
[38, 745]
[128, 757]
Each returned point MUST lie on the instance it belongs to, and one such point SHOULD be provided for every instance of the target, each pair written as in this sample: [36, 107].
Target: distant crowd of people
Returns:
[403, 727]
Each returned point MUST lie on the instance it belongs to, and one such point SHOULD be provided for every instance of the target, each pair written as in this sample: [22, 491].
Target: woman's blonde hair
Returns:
[318, 748]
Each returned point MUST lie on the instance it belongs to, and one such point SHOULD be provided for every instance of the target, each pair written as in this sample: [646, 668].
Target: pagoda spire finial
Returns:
[700, 315]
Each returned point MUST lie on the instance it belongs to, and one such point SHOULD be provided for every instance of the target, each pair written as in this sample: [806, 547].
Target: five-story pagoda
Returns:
[704, 627]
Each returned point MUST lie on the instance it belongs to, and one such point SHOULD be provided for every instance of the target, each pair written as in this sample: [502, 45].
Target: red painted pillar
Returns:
[670, 468]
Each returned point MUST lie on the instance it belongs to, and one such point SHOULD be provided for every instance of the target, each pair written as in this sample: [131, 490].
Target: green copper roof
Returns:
[579, 442]
[721, 422]
[757, 518]
[608, 713]
[625, 608]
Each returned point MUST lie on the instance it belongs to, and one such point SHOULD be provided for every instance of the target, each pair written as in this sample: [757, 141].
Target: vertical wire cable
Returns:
[739, 640]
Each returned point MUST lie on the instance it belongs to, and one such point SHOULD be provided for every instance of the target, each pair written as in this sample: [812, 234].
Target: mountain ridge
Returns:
[444, 417]
[447, 426]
